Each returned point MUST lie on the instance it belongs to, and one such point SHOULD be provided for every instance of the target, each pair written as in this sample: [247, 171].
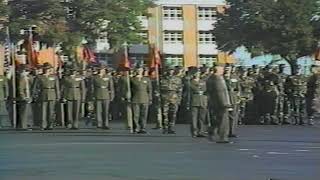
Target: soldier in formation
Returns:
[213, 100]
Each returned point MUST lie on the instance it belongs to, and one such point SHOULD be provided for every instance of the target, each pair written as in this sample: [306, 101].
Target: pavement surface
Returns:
[260, 153]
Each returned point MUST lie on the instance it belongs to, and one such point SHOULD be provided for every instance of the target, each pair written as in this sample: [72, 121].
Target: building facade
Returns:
[181, 29]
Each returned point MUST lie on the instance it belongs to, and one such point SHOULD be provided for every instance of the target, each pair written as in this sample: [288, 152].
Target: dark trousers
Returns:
[169, 114]
[140, 115]
[102, 113]
[73, 110]
[199, 115]
[47, 115]
[222, 124]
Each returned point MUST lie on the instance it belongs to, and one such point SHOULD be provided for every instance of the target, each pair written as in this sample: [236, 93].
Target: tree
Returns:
[48, 16]
[114, 19]
[277, 27]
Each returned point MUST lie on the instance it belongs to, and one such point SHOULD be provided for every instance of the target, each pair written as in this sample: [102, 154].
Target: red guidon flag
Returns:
[88, 55]
[32, 54]
[155, 56]
[124, 61]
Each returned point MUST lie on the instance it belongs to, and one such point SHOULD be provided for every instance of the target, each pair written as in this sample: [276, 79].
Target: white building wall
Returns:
[172, 25]
[173, 48]
[207, 49]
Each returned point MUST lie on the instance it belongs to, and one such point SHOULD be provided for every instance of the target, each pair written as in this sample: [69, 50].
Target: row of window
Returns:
[174, 37]
[176, 13]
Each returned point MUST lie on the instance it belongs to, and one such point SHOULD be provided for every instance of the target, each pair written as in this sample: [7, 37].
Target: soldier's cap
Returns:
[47, 66]
[255, 66]
[24, 67]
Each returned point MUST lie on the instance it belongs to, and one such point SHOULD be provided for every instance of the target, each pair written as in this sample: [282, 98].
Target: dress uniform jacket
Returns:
[103, 87]
[141, 90]
[198, 93]
[72, 87]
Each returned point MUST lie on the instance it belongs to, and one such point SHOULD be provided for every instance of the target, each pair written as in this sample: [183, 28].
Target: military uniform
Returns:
[295, 90]
[219, 97]
[312, 97]
[24, 96]
[234, 89]
[282, 100]
[48, 96]
[141, 90]
[246, 83]
[103, 93]
[4, 93]
[73, 88]
[170, 89]
[199, 106]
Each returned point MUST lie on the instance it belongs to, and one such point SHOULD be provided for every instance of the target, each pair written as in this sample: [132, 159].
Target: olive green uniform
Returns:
[48, 95]
[234, 89]
[73, 88]
[103, 93]
[4, 93]
[199, 106]
[141, 90]
[24, 96]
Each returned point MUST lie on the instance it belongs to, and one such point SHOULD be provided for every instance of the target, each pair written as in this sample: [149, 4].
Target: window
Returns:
[207, 13]
[206, 37]
[104, 58]
[173, 37]
[207, 60]
[138, 59]
[172, 13]
[174, 60]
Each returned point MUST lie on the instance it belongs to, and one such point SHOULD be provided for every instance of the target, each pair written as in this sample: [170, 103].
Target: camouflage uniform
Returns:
[171, 89]
[295, 90]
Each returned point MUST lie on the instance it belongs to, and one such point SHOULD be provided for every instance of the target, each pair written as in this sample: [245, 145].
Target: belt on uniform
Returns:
[48, 88]
[74, 87]
[199, 93]
[102, 87]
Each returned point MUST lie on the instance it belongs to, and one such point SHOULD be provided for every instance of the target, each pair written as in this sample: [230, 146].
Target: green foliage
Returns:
[278, 27]
[46, 15]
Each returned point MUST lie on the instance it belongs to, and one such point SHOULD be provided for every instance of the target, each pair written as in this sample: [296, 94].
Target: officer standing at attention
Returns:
[198, 104]
[4, 93]
[24, 95]
[103, 92]
[233, 85]
[47, 84]
[170, 90]
[219, 96]
[73, 94]
[141, 89]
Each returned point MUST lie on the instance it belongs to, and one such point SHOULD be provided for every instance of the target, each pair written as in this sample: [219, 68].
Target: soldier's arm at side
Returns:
[111, 89]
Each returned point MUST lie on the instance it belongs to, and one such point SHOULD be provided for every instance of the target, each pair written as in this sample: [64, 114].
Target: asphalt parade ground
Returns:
[260, 153]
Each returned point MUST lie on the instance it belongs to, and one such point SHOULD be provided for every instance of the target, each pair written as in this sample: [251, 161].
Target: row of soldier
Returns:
[207, 98]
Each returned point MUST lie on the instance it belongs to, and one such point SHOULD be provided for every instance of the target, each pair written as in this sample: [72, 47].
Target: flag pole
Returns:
[129, 93]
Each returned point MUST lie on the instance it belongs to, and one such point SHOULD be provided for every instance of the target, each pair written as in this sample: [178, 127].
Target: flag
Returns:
[124, 60]
[155, 56]
[88, 55]
[32, 55]
[49, 56]
[225, 58]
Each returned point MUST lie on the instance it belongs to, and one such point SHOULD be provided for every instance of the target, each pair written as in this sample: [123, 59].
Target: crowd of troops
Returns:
[213, 100]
